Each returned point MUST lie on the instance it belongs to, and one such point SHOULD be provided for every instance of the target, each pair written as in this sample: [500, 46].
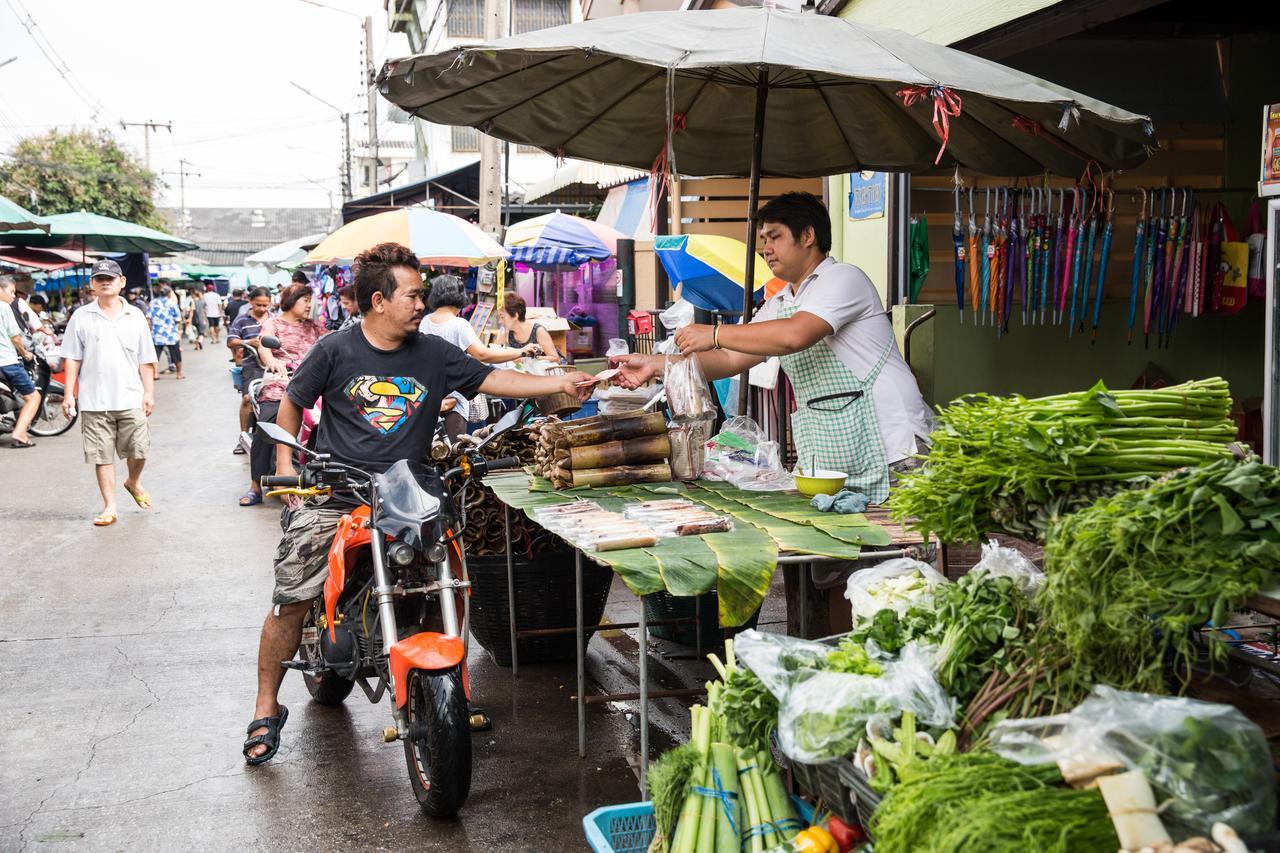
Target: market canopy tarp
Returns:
[438, 239]
[289, 253]
[96, 233]
[709, 270]
[835, 97]
[15, 217]
[46, 260]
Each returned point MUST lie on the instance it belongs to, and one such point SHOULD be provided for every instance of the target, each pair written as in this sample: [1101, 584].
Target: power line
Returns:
[55, 59]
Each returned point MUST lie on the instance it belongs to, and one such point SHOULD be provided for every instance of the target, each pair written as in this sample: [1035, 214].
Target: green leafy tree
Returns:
[66, 171]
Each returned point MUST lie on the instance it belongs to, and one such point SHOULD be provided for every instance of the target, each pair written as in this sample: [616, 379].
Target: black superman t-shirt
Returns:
[381, 406]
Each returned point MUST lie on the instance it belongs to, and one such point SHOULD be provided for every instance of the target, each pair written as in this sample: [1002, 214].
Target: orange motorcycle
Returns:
[395, 612]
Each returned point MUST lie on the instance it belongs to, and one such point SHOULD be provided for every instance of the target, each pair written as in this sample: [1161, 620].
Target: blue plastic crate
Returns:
[589, 409]
[629, 828]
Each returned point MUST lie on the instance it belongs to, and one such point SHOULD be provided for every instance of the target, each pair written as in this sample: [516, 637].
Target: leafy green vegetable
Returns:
[851, 656]
[749, 710]
[1015, 464]
[669, 781]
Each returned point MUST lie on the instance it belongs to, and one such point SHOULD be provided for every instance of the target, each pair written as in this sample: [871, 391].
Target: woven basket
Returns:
[664, 605]
[544, 599]
[560, 403]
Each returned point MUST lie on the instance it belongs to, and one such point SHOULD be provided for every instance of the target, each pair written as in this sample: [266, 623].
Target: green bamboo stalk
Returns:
[707, 818]
[728, 839]
[691, 814]
[780, 806]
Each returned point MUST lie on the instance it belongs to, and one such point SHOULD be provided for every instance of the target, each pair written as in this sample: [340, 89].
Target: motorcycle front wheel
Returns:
[438, 748]
[50, 420]
[327, 688]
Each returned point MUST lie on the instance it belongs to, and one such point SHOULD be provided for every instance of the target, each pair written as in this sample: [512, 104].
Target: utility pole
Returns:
[147, 127]
[183, 171]
[372, 93]
[495, 27]
[345, 171]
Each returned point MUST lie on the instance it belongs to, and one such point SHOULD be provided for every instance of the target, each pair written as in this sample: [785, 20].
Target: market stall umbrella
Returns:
[285, 255]
[92, 232]
[14, 217]
[709, 270]
[560, 242]
[672, 92]
[46, 260]
[438, 239]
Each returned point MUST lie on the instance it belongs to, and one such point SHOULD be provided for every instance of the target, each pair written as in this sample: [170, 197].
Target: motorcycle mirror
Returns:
[277, 435]
[271, 342]
[510, 420]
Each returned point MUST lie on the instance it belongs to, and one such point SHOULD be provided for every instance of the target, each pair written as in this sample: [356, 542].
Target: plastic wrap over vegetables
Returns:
[1001, 562]
[1208, 761]
[896, 585]
[822, 714]
[740, 454]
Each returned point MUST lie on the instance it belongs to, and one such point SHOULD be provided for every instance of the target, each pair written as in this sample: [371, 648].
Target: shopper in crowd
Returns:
[350, 310]
[166, 328]
[234, 305]
[521, 332]
[245, 332]
[212, 304]
[110, 365]
[196, 316]
[297, 334]
[13, 354]
[447, 299]
[39, 306]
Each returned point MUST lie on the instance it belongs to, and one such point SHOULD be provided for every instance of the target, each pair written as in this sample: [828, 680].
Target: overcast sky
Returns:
[219, 71]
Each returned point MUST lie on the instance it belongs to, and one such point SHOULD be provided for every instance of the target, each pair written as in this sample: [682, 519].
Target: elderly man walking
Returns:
[110, 363]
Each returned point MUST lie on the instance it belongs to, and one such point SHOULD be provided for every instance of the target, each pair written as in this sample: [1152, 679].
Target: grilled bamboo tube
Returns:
[621, 475]
[635, 451]
[613, 429]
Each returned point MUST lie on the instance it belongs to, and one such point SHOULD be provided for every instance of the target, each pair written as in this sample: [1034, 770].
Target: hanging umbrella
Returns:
[92, 232]
[14, 217]
[438, 239]
[284, 255]
[594, 240]
[709, 271]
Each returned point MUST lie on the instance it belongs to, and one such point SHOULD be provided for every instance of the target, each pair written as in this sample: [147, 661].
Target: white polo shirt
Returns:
[844, 296]
[109, 350]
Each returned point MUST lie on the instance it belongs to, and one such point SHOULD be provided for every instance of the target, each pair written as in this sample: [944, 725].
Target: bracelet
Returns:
[715, 337]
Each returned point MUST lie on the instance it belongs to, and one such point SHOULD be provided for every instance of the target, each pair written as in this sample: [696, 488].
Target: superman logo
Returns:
[386, 402]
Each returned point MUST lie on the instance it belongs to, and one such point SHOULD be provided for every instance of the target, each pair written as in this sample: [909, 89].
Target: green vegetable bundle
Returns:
[1132, 577]
[979, 801]
[1009, 463]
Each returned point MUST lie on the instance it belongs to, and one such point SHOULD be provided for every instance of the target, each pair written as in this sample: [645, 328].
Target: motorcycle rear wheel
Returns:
[50, 420]
[327, 688]
[439, 759]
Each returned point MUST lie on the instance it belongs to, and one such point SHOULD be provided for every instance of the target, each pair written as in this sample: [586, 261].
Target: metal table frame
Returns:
[644, 695]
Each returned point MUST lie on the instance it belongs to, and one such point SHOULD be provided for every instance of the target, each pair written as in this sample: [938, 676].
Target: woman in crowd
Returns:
[297, 333]
[521, 332]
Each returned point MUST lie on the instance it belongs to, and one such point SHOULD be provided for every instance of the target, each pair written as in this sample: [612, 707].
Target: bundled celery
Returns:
[1013, 464]
[736, 802]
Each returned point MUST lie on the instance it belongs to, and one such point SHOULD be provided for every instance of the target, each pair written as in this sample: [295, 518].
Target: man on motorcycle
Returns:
[382, 383]
[12, 355]
[244, 332]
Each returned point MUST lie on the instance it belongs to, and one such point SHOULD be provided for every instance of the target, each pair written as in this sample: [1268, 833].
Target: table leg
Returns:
[582, 655]
[806, 572]
[511, 592]
[644, 697]
[697, 624]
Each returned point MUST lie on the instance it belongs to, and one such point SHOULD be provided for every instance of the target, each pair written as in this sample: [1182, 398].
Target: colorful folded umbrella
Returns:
[709, 270]
[438, 239]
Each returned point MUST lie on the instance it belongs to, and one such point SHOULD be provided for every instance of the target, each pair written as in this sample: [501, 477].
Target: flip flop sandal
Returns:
[479, 720]
[271, 740]
[21, 445]
[238, 450]
[106, 519]
[142, 499]
[251, 498]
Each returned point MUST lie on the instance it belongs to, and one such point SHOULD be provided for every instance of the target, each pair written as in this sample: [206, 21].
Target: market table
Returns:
[771, 529]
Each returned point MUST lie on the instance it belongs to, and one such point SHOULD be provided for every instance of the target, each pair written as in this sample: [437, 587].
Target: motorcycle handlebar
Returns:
[274, 482]
[504, 464]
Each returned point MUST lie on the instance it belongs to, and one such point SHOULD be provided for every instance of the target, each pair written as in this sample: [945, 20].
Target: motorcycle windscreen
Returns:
[406, 503]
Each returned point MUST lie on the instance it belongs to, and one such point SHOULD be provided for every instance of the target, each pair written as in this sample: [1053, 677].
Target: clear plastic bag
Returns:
[688, 394]
[821, 714]
[868, 592]
[1209, 762]
[741, 455]
[1001, 562]
[617, 346]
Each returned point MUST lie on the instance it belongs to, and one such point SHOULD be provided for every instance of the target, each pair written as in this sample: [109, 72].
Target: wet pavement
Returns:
[127, 658]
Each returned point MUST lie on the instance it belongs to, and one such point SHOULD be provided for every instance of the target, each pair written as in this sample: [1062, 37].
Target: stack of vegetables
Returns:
[1015, 465]
[603, 451]
[722, 791]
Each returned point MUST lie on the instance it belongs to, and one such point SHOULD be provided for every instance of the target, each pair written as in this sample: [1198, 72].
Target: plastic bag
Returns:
[617, 346]
[868, 593]
[1208, 760]
[740, 454]
[821, 714]
[688, 394]
[1001, 562]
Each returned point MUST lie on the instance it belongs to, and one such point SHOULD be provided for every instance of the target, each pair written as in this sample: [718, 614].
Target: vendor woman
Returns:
[859, 409]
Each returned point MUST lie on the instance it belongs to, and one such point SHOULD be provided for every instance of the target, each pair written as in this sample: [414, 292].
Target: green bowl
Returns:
[821, 483]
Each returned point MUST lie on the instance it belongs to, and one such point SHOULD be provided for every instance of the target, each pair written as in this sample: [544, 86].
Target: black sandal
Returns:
[271, 740]
[479, 720]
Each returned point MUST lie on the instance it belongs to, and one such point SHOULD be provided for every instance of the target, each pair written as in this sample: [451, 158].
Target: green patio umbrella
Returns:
[14, 217]
[92, 232]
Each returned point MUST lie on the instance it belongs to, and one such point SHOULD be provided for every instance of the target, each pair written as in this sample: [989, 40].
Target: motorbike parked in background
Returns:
[47, 375]
[396, 606]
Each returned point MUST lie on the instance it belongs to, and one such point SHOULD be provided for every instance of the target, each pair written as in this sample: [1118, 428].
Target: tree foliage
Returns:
[66, 171]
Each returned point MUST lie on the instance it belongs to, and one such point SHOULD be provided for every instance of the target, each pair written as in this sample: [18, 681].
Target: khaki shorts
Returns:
[302, 557]
[125, 431]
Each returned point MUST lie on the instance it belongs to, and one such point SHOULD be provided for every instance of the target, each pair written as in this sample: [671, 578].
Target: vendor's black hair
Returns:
[299, 277]
[255, 292]
[448, 290]
[799, 211]
[373, 272]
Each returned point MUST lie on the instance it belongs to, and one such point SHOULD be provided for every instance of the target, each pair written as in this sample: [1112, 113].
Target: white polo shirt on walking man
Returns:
[109, 351]
[844, 296]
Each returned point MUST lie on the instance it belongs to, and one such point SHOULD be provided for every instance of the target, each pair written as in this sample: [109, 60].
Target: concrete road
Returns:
[127, 664]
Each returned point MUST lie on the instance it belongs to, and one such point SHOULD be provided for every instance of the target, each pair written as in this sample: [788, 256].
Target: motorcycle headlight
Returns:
[400, 553]
[438, 553]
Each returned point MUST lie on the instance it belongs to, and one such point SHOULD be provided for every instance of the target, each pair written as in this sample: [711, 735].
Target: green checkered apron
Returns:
[835, 425]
